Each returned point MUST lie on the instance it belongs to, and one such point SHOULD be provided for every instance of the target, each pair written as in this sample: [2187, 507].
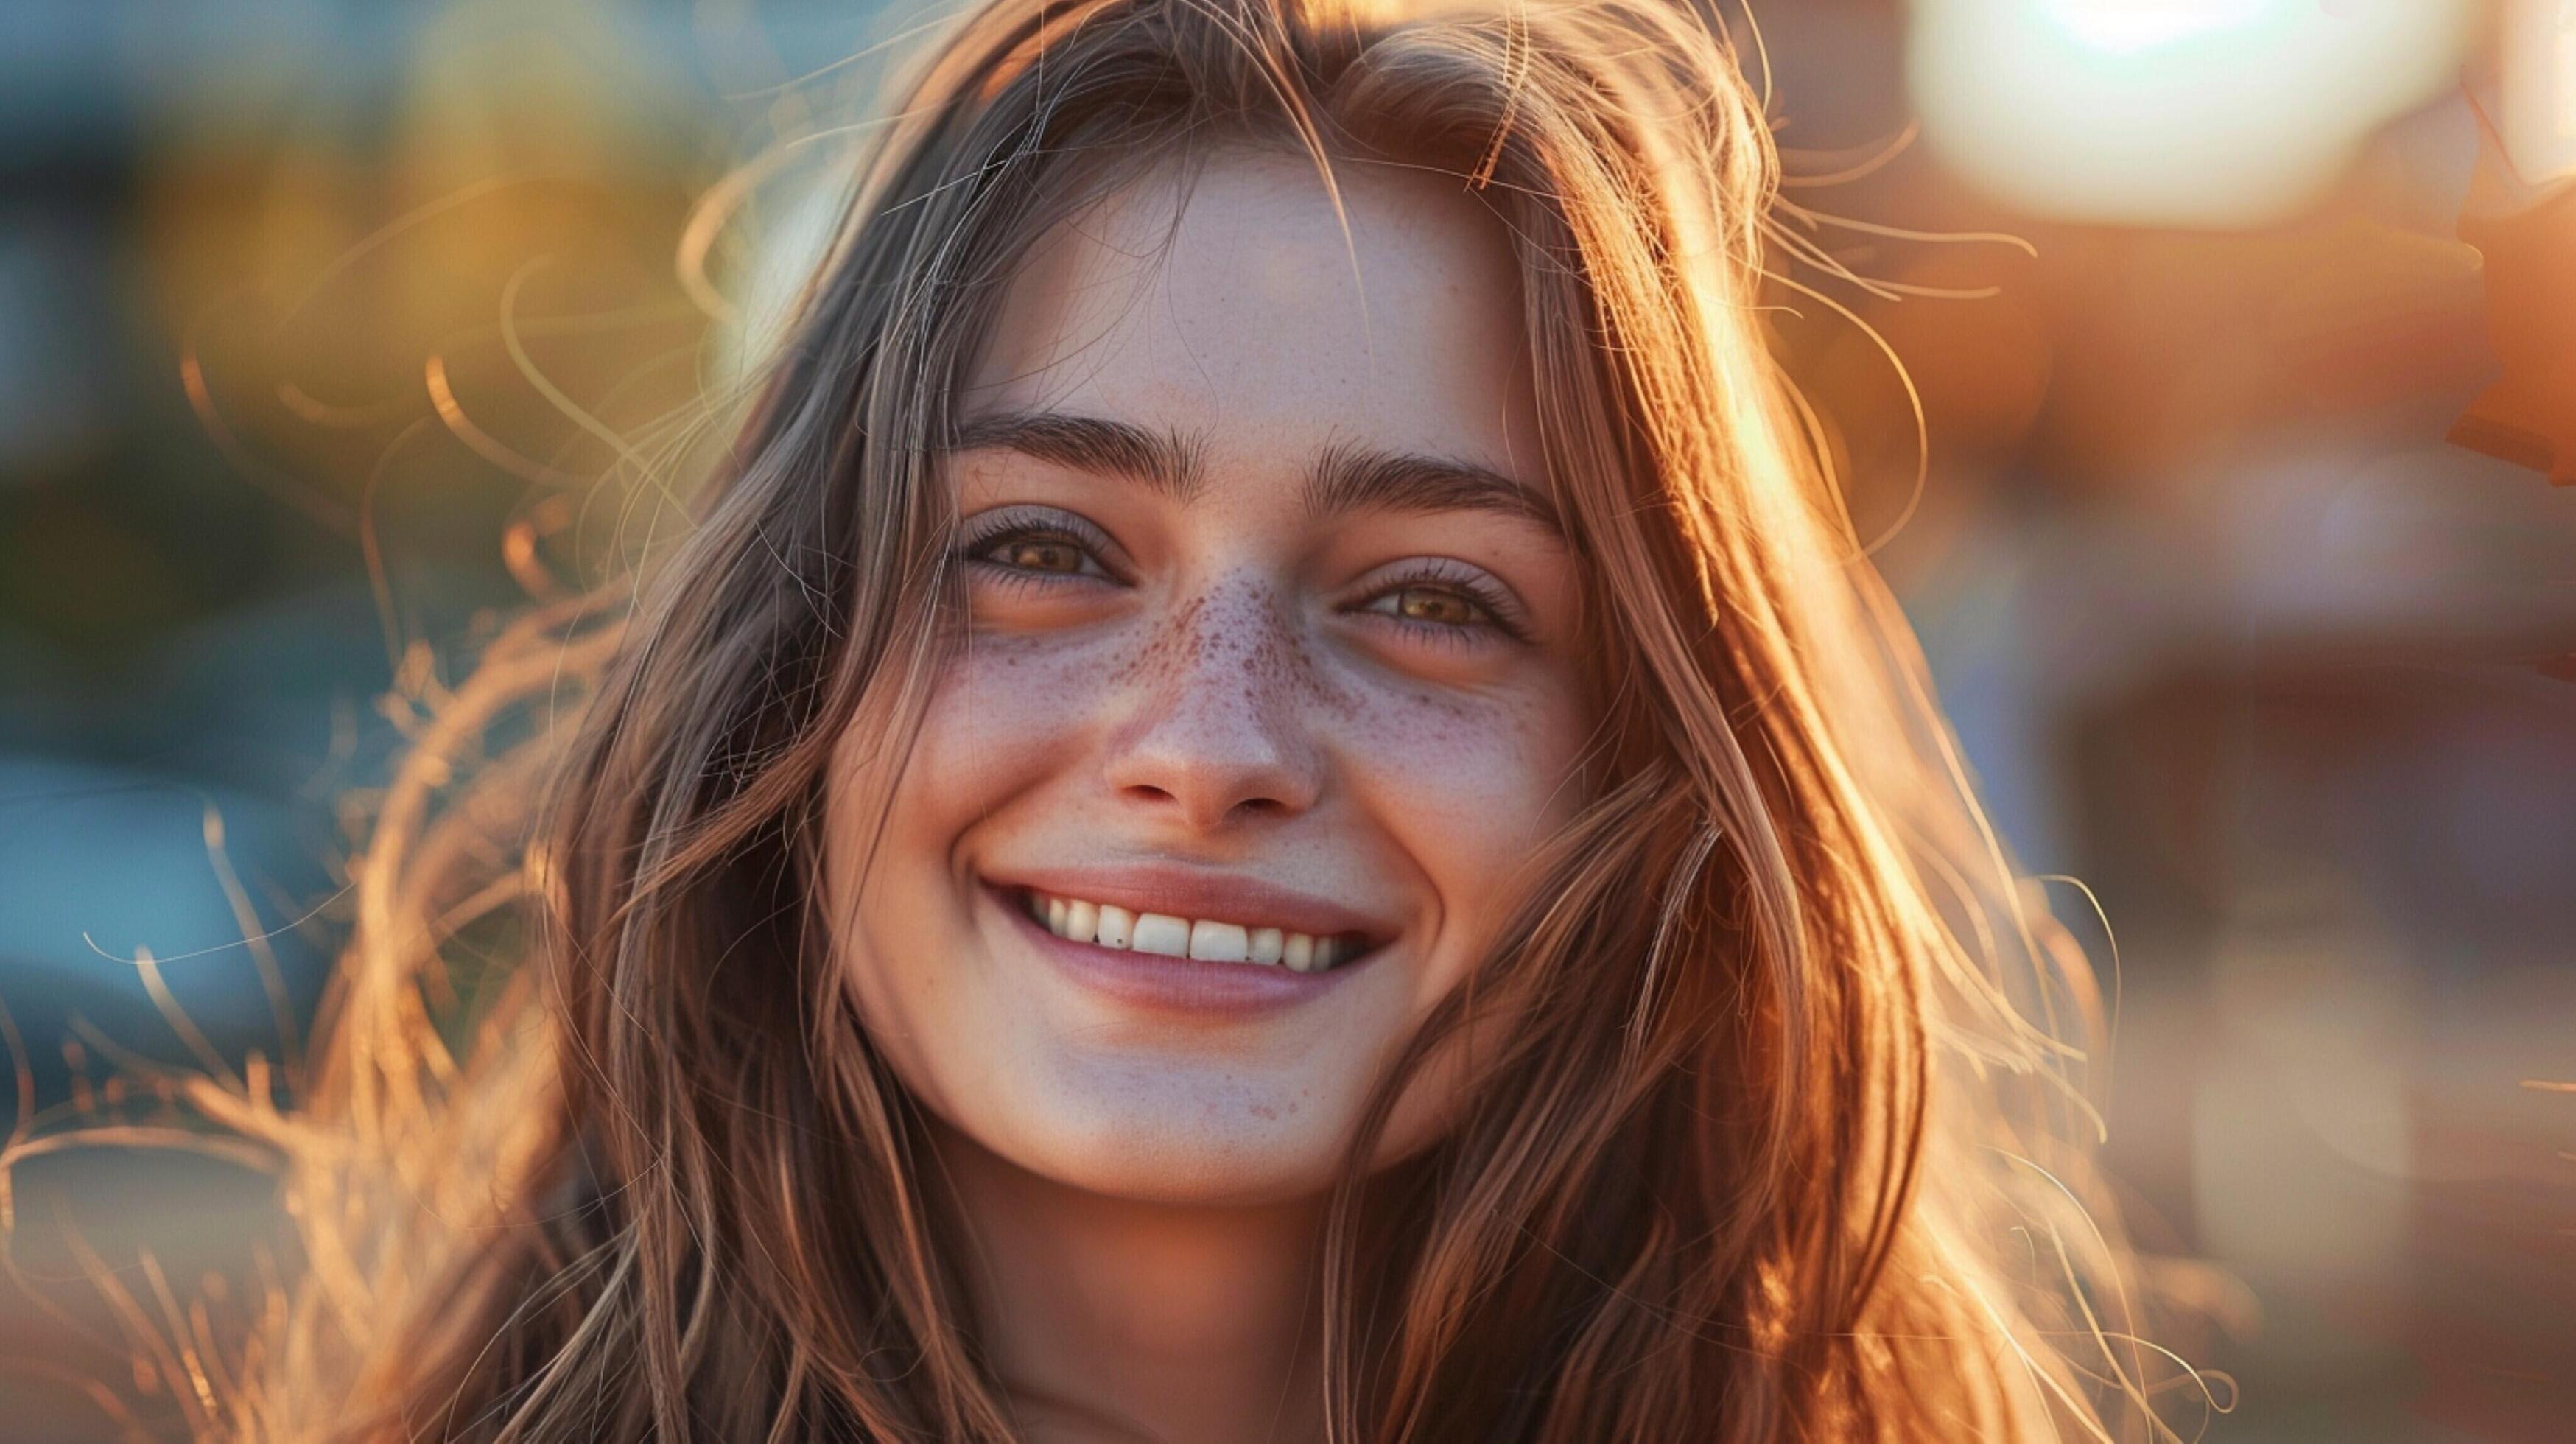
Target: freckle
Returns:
[1158, 656]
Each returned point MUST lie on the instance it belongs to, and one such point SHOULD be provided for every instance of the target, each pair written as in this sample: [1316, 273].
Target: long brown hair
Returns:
[1786, 1135]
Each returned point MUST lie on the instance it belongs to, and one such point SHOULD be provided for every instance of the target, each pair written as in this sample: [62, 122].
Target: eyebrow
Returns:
[1346, 478]
[1166, 461]
[1349, 478]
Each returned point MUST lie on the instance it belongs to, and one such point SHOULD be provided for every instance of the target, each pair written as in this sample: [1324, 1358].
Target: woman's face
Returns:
[1268, 689]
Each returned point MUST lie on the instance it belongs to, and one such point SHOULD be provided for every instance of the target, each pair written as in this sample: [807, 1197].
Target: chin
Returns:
[1151, 1130]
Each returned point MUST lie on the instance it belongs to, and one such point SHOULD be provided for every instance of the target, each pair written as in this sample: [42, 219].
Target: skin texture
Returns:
[1236, 677]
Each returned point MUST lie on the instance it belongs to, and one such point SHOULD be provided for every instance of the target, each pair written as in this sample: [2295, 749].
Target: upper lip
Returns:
[1184, 891]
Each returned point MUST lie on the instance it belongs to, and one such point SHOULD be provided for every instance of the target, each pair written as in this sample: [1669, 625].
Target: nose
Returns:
[1218, 735]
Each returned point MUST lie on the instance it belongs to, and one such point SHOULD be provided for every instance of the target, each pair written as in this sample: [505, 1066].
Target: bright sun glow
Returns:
[2540, 88]
[2213, 113]
[2125, 27]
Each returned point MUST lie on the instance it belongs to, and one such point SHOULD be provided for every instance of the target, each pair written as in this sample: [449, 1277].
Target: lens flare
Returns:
[2124, 27]
[2539, 82]
[2205, 113]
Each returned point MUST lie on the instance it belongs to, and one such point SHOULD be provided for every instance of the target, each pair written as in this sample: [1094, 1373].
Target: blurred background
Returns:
[319, 318]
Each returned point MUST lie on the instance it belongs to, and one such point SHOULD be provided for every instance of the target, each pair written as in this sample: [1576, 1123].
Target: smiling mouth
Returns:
[1207, 940]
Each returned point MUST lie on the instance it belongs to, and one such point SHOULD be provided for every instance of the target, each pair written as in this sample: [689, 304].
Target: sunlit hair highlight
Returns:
[1776, 1125]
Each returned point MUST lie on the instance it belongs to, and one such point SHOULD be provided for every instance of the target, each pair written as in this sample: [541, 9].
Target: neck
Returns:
[1111, 1319]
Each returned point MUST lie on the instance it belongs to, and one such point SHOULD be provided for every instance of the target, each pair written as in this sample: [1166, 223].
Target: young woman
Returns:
[1272, 802]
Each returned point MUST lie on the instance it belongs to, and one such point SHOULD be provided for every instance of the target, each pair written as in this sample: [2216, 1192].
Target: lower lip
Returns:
[1183, 986]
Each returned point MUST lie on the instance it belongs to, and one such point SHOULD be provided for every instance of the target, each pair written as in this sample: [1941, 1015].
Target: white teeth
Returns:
[1321, 954]
[1117, 927]
[1203, 940]
[1163, 933]
[1219, 942]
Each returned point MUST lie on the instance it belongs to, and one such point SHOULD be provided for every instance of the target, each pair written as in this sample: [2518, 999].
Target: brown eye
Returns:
[1436, 605]
[1038, 547]
[1037, 554]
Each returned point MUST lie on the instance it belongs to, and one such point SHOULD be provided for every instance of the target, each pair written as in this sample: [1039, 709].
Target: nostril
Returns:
[1190, 777]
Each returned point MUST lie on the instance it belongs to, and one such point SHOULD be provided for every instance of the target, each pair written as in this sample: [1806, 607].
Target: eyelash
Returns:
[1483, 595]
[1020, 527]
[1486, 597]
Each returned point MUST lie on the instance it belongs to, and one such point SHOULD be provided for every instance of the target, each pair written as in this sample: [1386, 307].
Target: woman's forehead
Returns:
[1248, 304]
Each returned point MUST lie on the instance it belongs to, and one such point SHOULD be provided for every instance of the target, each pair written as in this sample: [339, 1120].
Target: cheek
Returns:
[1469, 781]
[1468, 786]
[1003, 716]
[1004, 712]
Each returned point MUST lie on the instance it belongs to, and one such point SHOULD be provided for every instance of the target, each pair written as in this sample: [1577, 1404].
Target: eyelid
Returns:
[1003, 523]
[1489, 594]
